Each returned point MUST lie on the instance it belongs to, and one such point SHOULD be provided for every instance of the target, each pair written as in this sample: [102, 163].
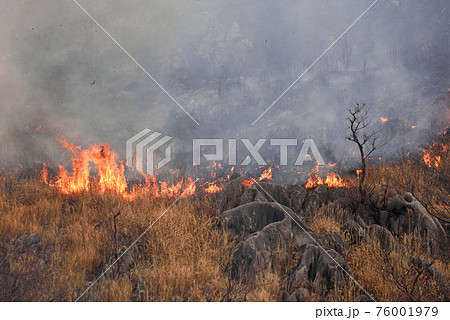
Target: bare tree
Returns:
[365, 139]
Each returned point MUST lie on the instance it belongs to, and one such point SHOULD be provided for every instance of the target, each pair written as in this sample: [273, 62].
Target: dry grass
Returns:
[183, 257]
[383, 274]
[325, 219]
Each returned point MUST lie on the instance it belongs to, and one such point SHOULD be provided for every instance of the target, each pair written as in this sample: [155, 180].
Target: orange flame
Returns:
[431, 158]
[213, 188]
[384, 119]
[333, 180]
[266, 175]
[110, 175]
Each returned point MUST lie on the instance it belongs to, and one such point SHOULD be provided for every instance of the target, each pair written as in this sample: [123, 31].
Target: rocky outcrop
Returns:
[291, 196]
[322, 195]
[406, 214]
[230, 196]
[326, 269]
[355, 233]
[335, 241]
[265, 228]
[386, 239]
[299, 295]
[266, 219]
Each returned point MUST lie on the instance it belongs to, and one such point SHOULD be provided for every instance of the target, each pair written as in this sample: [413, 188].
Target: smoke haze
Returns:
[225, 62]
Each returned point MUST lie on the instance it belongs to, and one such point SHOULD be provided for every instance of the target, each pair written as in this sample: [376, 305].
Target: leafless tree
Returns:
[365, 139]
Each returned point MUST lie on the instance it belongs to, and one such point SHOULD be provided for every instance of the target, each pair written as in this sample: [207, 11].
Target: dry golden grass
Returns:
[385, 279]
[325, 219]
[183, 257]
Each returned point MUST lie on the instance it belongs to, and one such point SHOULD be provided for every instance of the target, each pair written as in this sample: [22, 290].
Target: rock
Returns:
[139, 291]
[364, 298]
[27, 243]
[299, 295]
[297, 196]
[322, 195]
[407, 214]
[382, 218]
[324, 267]
[291, 196]
[264, 228]
[356, 233]
[230, 196]
[250, 218]
[386, 239]
[361, 222]
[253, 194]
[334, 241]
[264, 191]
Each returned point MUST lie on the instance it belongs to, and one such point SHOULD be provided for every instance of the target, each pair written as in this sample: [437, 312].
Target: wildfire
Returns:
[266, 175]
[213, 188]
[97, 168]
[333, 180]
[110, 175]
[384, 119]
[431, 156]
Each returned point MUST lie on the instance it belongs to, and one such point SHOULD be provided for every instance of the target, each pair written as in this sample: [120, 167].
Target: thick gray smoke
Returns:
[225, 62]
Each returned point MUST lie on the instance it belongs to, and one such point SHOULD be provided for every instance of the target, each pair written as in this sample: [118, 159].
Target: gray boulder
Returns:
[230, 196]
[386, 239]
[355, 233]
[326, 269]
[291, 196]
[322, 195]
[264, 230]
[407, 214]
[334, 240]
[299, 295]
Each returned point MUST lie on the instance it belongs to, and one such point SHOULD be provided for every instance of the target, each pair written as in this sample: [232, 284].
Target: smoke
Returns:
[224, 61]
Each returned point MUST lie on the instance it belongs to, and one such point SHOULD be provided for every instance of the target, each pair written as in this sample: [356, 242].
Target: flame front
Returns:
[333, 180]
[110, 177]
